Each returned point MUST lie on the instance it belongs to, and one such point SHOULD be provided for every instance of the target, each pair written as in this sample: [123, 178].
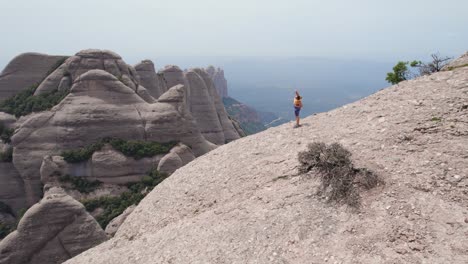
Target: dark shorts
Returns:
[297, 110]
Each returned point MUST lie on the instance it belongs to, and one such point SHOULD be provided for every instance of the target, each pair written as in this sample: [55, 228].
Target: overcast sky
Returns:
[374, 29]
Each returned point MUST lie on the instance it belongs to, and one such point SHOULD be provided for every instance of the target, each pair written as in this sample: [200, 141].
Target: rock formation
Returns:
[65, 75]
[153, 82]
[245, 202]
[220, 82]
[102, 104]
[204, 103]
[24, 71]
[52, 231]
[100, 97]
[114, 225]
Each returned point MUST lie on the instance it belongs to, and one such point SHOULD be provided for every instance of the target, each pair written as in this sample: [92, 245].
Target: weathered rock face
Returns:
[52, 231]
[24, 71]
[203, 108]
[229, 131]
[203, 103]
[84, 61]
[245, 202]
[106, 165]
[153, 82]
[99, 105]
[220, 82]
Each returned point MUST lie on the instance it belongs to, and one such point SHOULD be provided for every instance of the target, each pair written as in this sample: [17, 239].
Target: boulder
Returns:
[170, 163]
[26, 70]
[185, 153]
[179, 156]
[52, 231]
[115, 223]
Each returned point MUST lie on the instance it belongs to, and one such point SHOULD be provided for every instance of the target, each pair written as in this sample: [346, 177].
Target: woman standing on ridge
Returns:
[297, 108]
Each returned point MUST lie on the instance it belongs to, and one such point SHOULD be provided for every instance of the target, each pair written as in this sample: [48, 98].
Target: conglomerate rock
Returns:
[24, 71]
[52, 231]
[100, 105]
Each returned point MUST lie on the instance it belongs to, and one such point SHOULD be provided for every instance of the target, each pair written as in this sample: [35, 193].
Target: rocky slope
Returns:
[245, 202]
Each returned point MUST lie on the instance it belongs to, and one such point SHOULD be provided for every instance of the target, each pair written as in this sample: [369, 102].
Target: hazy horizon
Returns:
[367, 29]
[262, 45]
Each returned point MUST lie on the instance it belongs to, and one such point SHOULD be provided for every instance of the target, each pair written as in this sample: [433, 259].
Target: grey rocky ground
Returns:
[245, 202]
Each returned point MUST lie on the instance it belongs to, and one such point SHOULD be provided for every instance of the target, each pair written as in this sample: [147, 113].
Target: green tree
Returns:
[400, 73]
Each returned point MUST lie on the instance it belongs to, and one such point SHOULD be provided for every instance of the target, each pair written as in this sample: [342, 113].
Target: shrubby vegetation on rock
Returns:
[25, 102]
[114, 206]
[81, 184]
[133, 148]
[339, 179]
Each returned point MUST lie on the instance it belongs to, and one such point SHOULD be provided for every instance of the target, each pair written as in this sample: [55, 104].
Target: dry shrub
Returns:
[340, 181]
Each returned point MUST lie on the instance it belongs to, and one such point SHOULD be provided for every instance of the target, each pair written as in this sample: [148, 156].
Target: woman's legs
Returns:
[296, 112]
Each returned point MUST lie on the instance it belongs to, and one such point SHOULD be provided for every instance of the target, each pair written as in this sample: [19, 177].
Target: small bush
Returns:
[82, 154]
[133, 148]
[81, 184]
[25, 102]
[339, 179]
[140, 149]
[114, 206]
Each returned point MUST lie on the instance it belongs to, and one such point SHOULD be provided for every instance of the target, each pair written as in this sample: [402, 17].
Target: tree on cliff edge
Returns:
[401, 72]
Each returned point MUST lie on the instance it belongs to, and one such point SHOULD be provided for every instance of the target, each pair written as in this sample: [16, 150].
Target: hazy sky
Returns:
[150, 28]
